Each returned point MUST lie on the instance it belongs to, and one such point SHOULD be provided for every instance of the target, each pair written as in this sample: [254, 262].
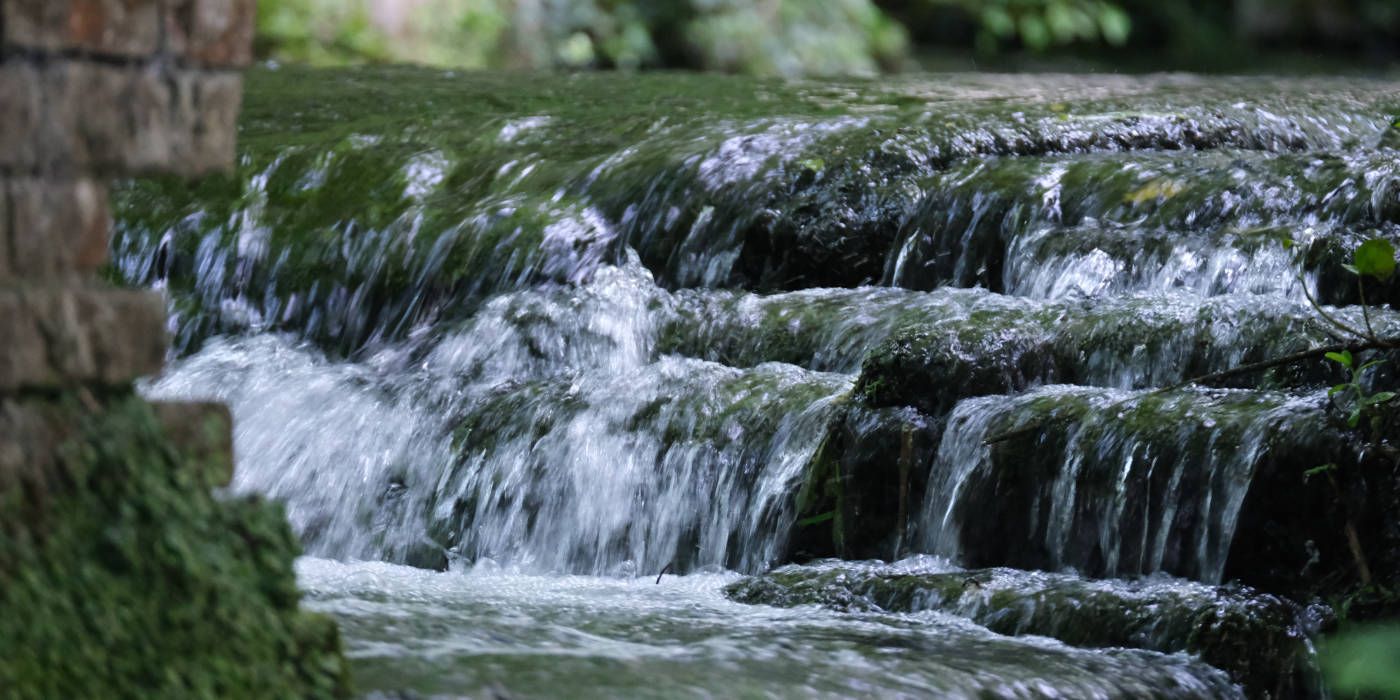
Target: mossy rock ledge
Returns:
[1261, 640]
[123, 575]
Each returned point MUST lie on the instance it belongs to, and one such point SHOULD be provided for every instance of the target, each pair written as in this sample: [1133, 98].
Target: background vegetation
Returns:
[832, 37]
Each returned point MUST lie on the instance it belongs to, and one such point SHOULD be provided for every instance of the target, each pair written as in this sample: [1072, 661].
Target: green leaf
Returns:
[1342, 358]
[1320, 469]
[1034, 32]
[1375, 258]
[816, 519]
[1382, 397]
[1060, 20]
[1354, 418]
[999, 22]
[1115, 25]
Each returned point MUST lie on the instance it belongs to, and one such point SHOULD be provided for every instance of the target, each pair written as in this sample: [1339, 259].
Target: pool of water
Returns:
[494, 633]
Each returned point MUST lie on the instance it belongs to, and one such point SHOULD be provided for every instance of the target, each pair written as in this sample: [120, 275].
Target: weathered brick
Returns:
[117, 120]
[126, 28]
[6, 237]
[21, 113]
[211, 32]
[63, 335]
[55, 226]
[216, 99]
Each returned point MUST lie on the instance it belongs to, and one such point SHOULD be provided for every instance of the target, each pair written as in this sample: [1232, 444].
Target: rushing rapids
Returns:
[570, 334]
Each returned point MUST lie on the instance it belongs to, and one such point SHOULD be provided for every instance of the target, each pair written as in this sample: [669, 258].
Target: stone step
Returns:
[1260, 640]
[932, 349]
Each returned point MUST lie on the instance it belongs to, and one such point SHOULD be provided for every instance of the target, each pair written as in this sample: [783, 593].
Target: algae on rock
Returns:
[122, 574]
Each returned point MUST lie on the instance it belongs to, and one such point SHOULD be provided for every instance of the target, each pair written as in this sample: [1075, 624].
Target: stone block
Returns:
[6, 267]
[109, 119]
[122, 28]
[217, 33]
[21, 113]
[52, 227]
[60, 336]
[212, 102]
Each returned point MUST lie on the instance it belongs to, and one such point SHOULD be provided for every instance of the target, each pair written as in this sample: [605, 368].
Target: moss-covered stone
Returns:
[123, 576]
[988, 223]
[1210, 485]
[370, 201]
[999, 346]
[1261, 640]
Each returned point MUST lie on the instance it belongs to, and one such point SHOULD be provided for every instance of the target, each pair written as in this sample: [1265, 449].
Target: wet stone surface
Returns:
[1261, 640]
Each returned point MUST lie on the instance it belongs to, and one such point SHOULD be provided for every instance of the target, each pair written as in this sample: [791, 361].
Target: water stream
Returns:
[506, 352]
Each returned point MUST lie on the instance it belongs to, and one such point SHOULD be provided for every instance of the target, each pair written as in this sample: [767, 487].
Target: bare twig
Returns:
[1365, 308]
[1323, 312]
[1375, 344]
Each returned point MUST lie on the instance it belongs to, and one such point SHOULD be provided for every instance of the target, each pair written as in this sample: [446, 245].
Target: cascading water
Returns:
[565, 345]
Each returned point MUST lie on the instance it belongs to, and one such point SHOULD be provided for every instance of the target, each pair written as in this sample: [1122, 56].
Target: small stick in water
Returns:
[664, 571]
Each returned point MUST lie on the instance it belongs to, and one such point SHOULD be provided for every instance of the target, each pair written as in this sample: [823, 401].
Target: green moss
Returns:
[122, 576]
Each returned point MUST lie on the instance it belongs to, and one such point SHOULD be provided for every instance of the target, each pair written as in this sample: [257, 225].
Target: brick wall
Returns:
[91, 90]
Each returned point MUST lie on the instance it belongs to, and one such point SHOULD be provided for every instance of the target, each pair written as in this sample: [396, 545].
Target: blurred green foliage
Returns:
[775, 37]
[802, 37]
[1040, 24]
[1366, 661]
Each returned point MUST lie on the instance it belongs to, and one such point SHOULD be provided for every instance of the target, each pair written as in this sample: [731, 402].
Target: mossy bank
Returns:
[123, 575]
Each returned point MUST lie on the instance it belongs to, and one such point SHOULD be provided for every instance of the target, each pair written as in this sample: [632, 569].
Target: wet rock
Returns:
[1293, 531]
[859, 495]
[1209, 485]
[426, 555]
[1259, 639]
[998, 345]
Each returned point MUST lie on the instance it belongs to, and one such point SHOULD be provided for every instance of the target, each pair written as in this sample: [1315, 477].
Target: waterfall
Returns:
[562, 339]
